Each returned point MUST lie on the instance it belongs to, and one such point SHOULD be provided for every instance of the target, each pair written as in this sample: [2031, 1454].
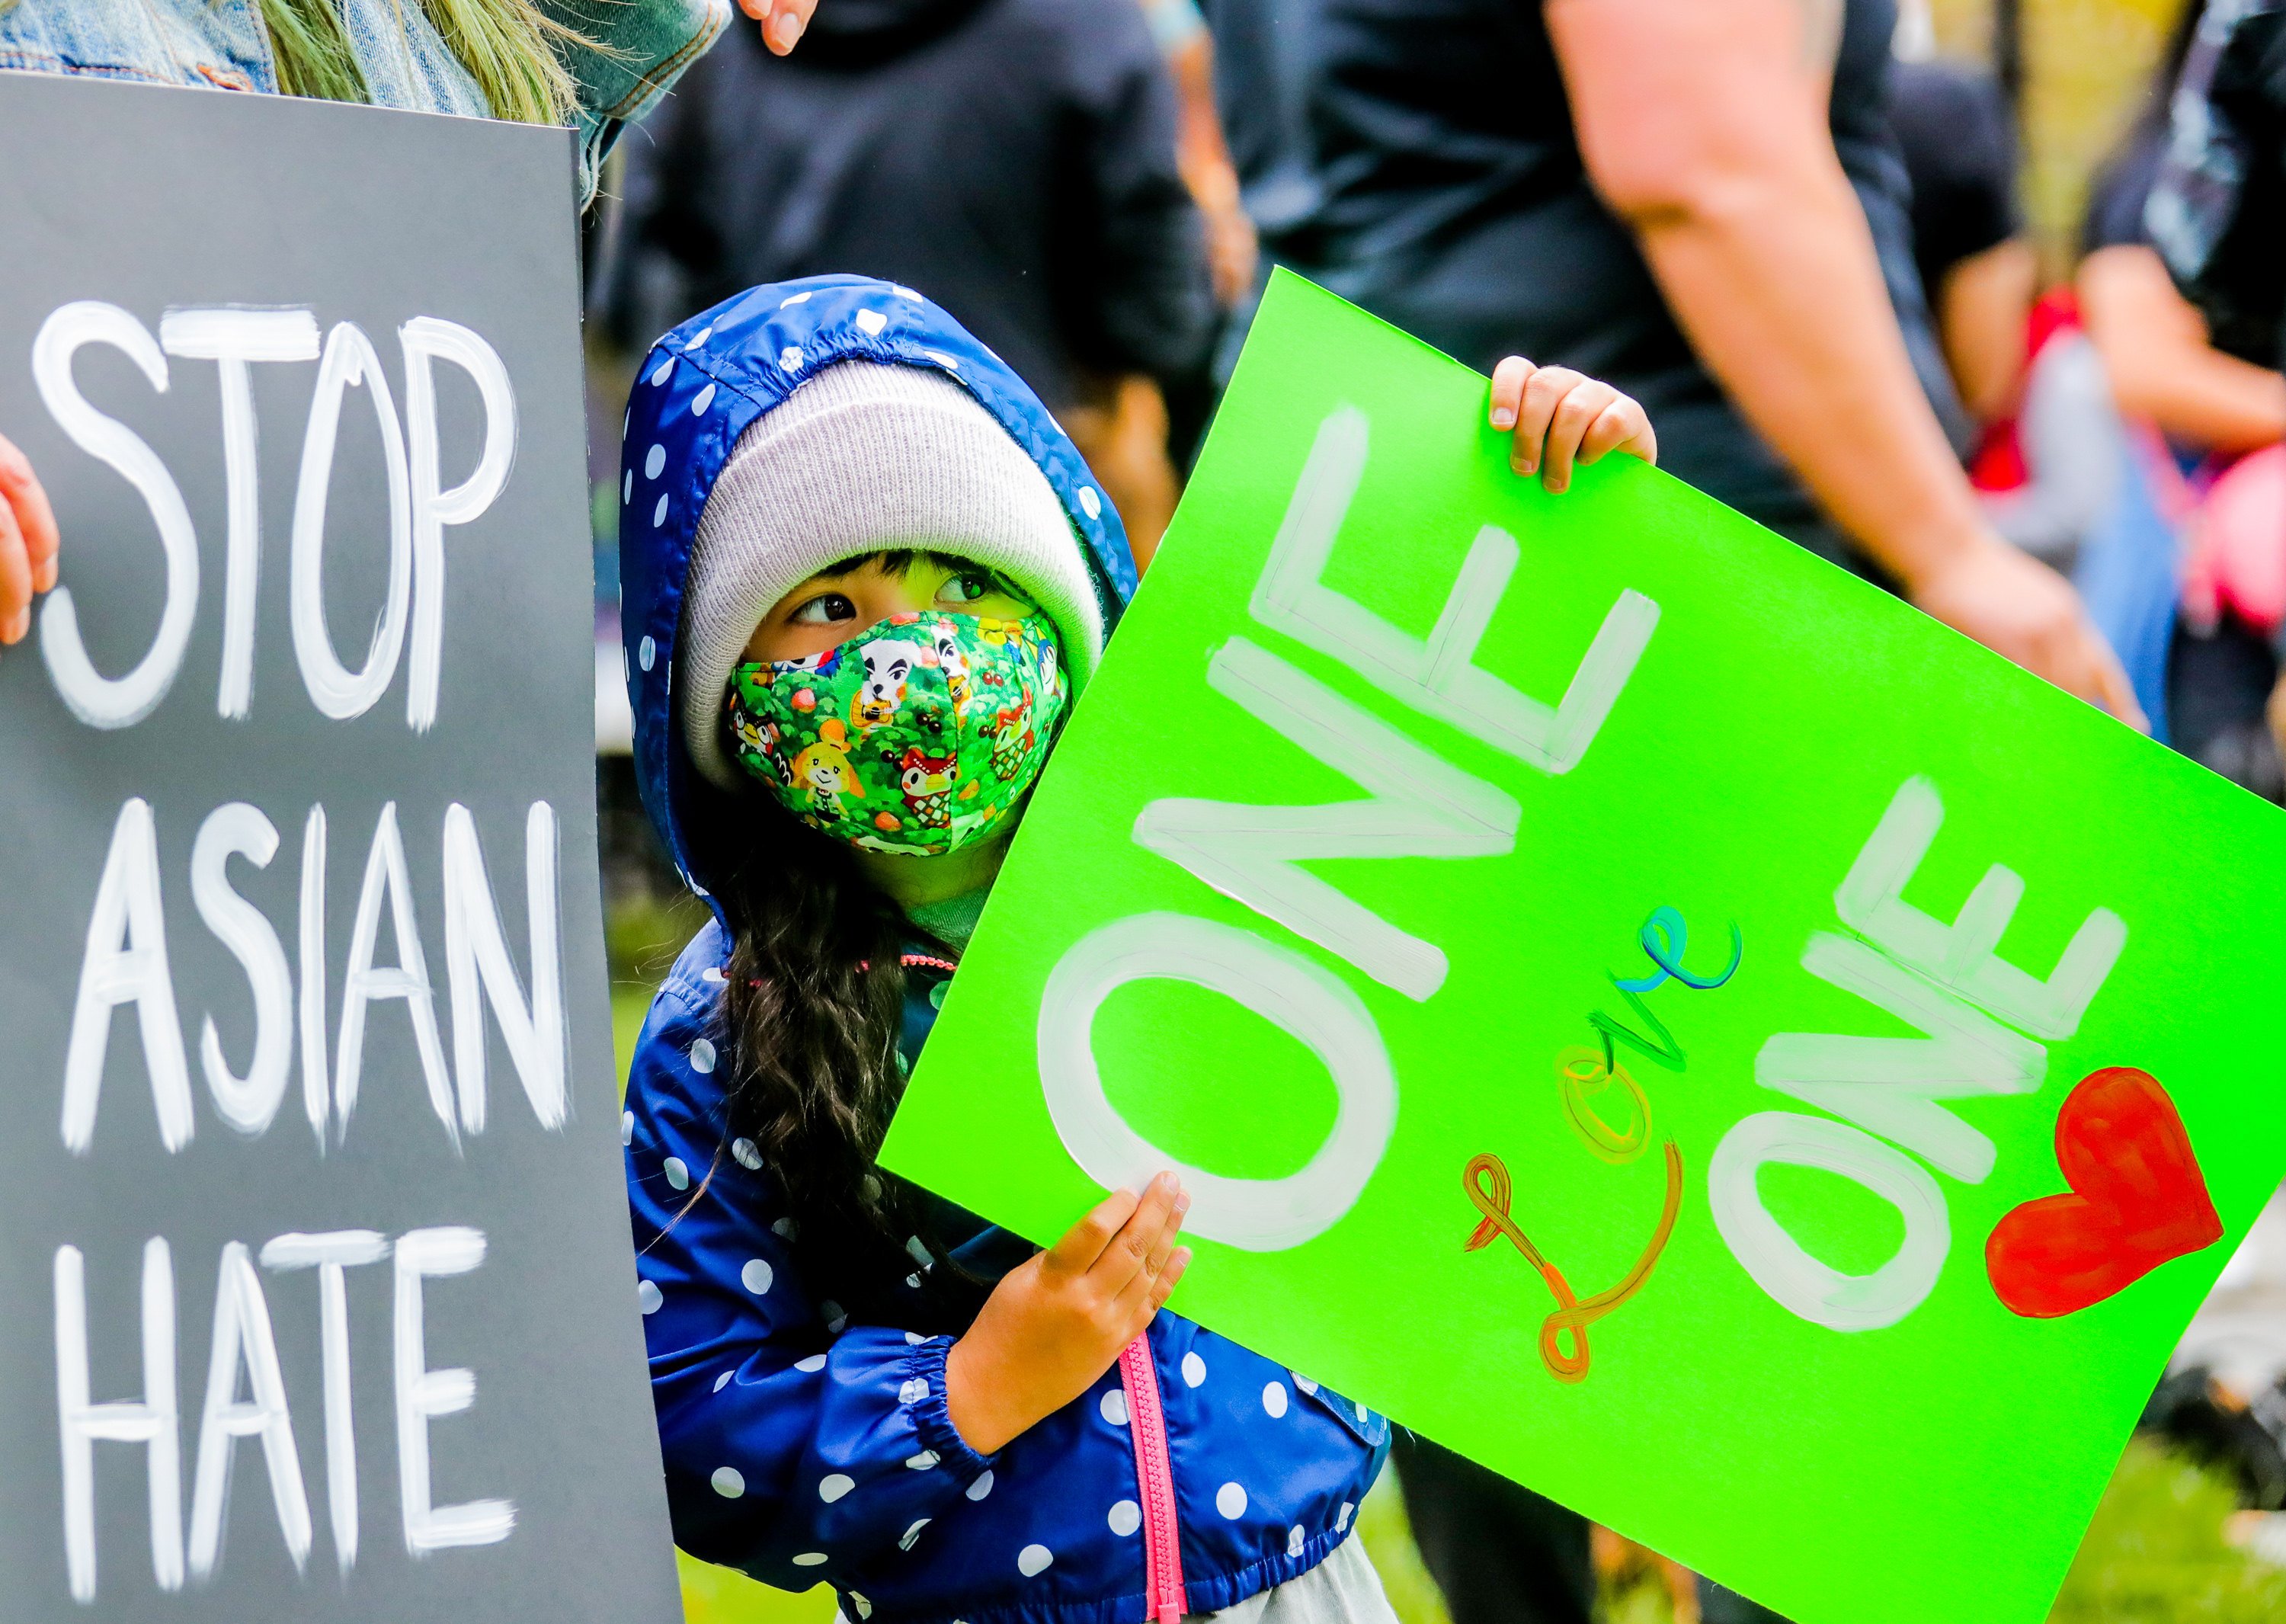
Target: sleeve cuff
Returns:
[924, 1394]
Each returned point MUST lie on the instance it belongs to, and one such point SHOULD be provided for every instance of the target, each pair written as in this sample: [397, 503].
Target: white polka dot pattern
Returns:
[724, 1380]
[702, 1056]
[1273, 1399]
[660, 377]
[728, 1482]
[1090, 502]
[1230, 1499]
[1033, 1560]
[1342, 1521]
[678, 1176]
[905, 1540]
[627, 1127]
[647, 650]
[757, 1275]
[1294, 1541]
[790, 358]
[747, 1154]
[1195, 1370]
[923, 1462]
[1114, 1407]
[983, 1486]
[702, 400]
[814, 1363]
[913, 1391]
[871, 322]
[810, 1559]
[647, 1295]
[1303, 1382]
[654, 460]
[657, 518]
[1126, 1517]
[834, 1487]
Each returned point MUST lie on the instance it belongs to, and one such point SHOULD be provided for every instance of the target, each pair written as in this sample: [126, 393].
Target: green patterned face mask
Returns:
[919, 736]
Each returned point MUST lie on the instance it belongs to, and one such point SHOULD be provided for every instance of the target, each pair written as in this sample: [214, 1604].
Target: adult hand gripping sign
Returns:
[1872, 1038]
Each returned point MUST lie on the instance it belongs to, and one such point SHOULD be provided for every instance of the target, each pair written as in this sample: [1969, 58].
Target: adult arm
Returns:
[2154, 344]
[1981, 310]
[1703, 125]
[28, 542]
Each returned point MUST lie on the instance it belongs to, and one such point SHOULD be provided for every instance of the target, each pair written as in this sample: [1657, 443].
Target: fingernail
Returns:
[1503, 418]
[1183, 1201]
[789, 28]
[1525, 465]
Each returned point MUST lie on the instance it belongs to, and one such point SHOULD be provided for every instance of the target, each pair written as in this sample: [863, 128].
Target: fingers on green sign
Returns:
[1637, 1004]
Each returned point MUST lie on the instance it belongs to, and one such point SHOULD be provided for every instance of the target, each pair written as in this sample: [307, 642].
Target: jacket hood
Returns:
[700, 388]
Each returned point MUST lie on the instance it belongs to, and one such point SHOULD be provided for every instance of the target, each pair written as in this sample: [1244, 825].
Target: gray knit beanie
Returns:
[865, 456]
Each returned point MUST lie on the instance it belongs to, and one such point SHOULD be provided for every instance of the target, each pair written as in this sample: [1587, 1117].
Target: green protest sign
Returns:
[1632, 1001]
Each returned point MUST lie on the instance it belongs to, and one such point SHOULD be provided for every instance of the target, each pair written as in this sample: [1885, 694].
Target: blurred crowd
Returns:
[1793, 231]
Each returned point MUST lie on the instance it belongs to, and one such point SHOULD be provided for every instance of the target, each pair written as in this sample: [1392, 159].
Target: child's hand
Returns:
[1054, 1324]
[1561, 417]
[28, 542]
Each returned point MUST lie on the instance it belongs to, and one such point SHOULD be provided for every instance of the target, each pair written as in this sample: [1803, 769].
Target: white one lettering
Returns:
[1799, 1283]
[1302, 999]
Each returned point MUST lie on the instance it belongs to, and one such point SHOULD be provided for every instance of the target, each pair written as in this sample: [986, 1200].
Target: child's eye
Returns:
[968, 587]
[824, 609]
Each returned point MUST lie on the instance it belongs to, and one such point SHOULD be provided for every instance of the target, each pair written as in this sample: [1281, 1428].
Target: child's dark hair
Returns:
[813, 1005]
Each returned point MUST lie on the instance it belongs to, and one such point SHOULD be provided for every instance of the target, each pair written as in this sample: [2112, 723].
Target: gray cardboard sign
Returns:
[324, 1305]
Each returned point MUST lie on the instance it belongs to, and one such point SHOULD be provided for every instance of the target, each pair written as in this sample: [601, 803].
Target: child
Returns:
[865, 575]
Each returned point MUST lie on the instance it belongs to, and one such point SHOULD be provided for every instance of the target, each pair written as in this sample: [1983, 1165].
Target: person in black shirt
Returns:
[1014, 159]
[1958, 136]
[1700, 203]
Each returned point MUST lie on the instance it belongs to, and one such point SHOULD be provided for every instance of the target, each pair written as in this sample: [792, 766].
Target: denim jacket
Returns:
[639, 48]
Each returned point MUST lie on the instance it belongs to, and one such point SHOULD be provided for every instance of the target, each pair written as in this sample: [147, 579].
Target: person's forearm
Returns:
[2154, 347]
[1777, 288]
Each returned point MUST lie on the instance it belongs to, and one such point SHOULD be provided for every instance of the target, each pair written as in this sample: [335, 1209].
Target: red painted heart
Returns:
[2138, 1199]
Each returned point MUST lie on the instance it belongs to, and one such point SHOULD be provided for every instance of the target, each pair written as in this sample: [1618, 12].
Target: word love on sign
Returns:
[1848, 1057]
[324, 1302]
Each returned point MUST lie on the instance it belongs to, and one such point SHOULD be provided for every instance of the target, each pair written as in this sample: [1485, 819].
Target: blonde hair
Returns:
[510, 47]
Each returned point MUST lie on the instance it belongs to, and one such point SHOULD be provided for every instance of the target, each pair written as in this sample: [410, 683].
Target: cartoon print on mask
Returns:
[823, 770]
[889, 665]
[954, 664]
[960, 709]
[927, 782]
[1010, 733]
[762, 739]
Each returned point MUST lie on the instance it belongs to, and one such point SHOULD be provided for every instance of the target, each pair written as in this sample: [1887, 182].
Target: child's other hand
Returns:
[782, 21]
[28, 542]
[1056, 1323]
[1561, 417]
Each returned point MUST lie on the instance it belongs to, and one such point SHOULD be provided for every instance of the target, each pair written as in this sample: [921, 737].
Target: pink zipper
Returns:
[1154, 1478]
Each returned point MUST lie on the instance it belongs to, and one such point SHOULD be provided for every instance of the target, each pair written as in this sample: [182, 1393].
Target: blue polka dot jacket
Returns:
[803, 1421]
